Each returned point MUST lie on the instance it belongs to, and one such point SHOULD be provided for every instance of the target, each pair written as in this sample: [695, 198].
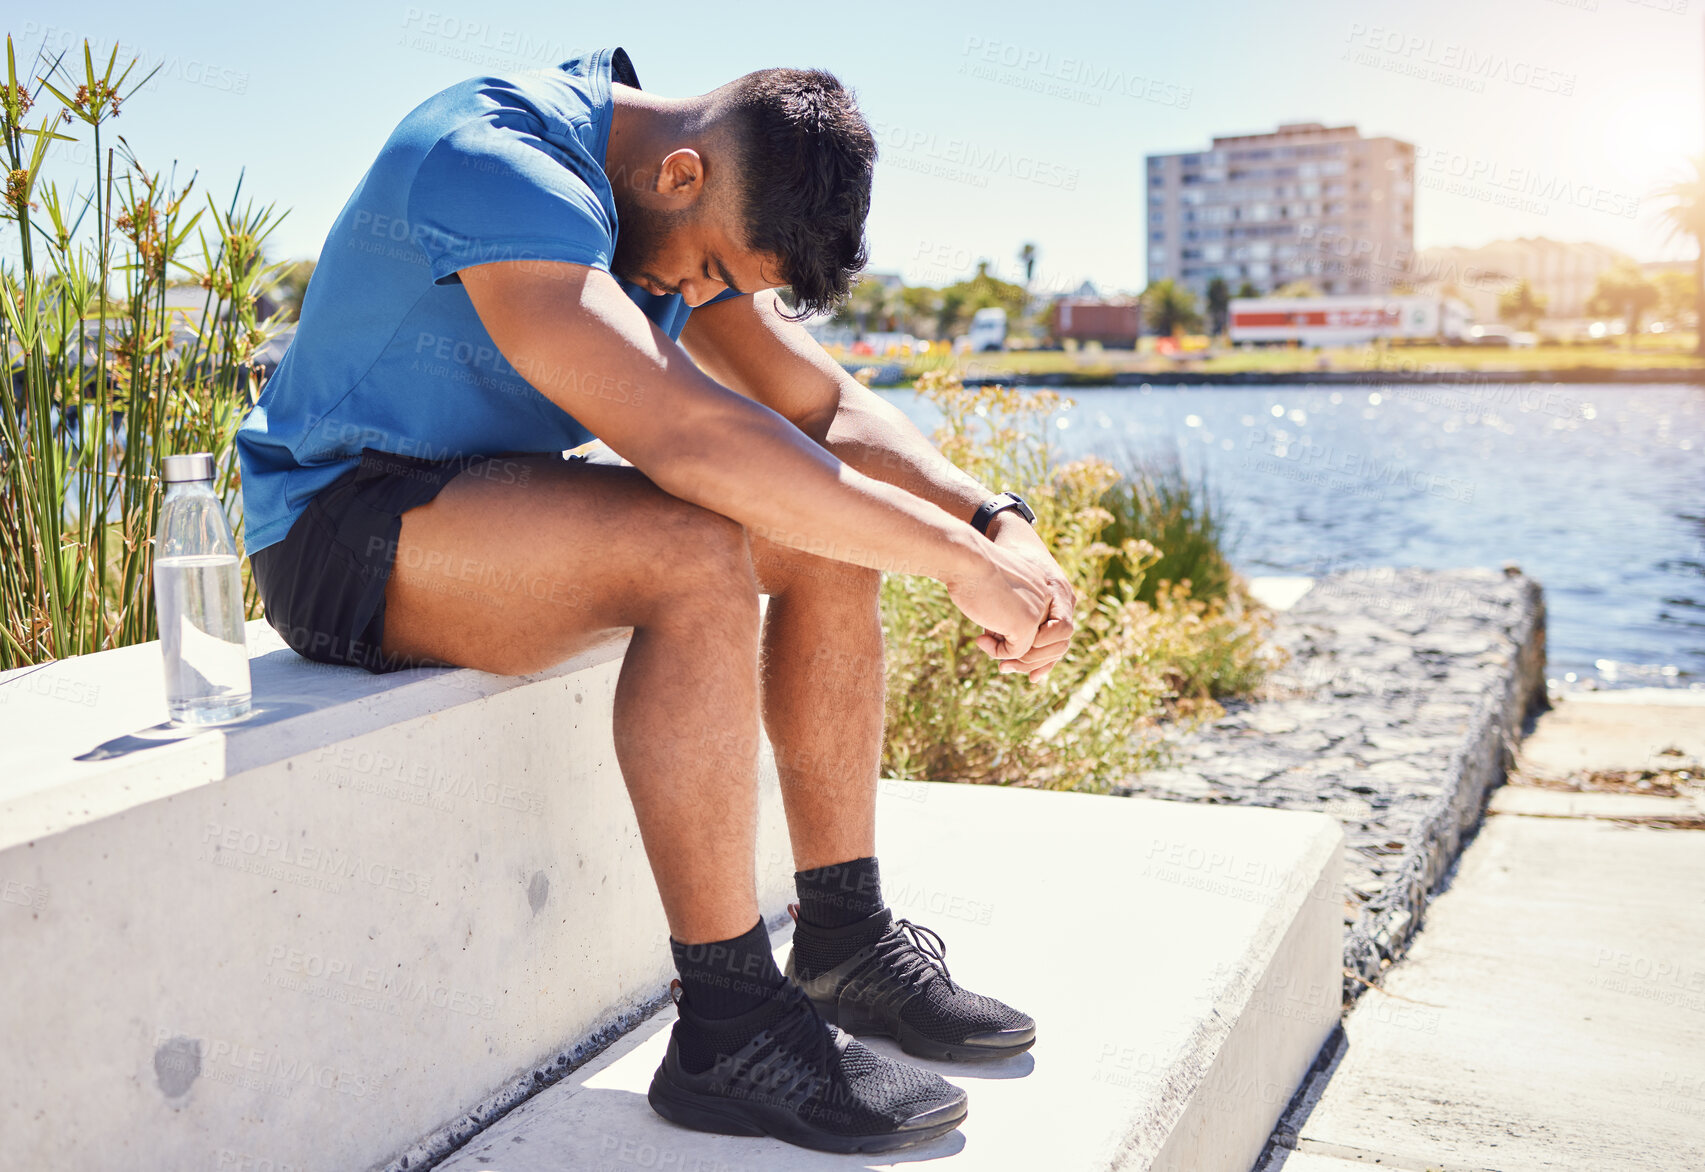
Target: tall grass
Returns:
[1156, 500]
[1145, 649]
[102, 379]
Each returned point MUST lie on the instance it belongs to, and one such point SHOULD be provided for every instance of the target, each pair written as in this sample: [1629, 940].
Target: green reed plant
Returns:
[1145, 649]
[1157, 500]
[103, 380]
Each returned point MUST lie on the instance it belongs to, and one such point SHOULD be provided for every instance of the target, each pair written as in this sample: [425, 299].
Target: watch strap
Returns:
[999, 504]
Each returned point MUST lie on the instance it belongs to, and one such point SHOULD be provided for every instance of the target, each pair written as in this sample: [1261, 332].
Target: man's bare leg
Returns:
[823, 699]
[823, 708]
[558, 553]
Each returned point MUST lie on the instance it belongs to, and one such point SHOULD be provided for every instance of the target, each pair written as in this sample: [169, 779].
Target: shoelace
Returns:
[916, 952]
[802, 1031]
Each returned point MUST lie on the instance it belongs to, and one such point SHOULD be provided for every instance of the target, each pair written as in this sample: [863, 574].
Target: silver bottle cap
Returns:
[195, 466]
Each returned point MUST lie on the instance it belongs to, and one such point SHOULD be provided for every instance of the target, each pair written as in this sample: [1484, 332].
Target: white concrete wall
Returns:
[314, 936]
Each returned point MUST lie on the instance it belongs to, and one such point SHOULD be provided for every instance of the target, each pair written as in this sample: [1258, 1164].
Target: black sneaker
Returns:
[782, 1071]
[889, 977]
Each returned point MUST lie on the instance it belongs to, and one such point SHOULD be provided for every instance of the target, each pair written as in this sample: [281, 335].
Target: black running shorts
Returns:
[323, 585]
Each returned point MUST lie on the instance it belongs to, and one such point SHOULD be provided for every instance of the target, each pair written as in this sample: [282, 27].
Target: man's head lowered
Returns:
[760, 183]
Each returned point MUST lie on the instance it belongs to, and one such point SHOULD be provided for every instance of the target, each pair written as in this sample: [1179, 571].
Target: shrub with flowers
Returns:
[1136, 667]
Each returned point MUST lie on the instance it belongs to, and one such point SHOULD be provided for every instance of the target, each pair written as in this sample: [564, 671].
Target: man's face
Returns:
[689, 251]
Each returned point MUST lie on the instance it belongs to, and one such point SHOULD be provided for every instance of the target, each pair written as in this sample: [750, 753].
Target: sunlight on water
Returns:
[1597, 491]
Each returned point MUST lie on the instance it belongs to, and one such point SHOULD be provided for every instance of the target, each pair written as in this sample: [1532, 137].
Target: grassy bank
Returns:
[1651, 352]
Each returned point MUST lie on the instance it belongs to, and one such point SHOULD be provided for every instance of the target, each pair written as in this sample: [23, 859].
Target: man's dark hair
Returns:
[803, 157]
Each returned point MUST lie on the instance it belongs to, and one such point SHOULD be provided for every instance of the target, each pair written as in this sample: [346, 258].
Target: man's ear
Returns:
[680, 179]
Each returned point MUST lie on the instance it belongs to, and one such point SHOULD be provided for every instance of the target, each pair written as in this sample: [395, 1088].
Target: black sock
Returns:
[839, 894]
[727, 978]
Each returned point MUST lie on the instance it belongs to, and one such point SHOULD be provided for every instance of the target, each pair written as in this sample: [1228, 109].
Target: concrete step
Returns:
[347, 930]
[1618, 729]
[1183, 963]
[1550, 1016]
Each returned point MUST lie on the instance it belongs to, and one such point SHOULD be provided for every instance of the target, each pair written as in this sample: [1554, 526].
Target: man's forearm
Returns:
[872, 435]
[875, 437]
[761, 473]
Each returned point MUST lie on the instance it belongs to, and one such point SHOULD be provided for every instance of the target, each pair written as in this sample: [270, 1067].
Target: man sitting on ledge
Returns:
[509, 281]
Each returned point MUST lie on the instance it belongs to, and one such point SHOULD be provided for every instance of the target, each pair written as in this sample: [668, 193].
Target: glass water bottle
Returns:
[198, 594]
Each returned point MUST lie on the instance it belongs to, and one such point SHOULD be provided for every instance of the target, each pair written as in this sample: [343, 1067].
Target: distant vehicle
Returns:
[988, 330]
[1500, 336]
[1347, 321]
[1110, 323]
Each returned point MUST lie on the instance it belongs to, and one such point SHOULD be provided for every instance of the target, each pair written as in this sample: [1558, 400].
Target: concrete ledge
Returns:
[349, 929]
[1182, 963]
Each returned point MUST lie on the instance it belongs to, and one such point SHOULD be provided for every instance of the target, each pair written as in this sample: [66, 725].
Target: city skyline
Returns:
[1538, 119]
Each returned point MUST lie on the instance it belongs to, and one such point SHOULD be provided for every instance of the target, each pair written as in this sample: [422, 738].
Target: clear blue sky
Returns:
[1535, 103]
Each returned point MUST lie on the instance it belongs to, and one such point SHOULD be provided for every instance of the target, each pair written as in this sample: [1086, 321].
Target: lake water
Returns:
[1596, 491]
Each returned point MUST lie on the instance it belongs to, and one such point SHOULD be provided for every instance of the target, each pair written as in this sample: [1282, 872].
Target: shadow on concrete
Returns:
[285, 686]
[1018, 1066]
[167, 733]
[631, 1132]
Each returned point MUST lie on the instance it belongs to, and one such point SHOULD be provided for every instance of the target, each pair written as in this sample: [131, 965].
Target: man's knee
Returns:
[786, 571]
[703, 557]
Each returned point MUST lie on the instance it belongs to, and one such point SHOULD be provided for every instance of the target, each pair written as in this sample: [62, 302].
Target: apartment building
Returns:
[1306, 202]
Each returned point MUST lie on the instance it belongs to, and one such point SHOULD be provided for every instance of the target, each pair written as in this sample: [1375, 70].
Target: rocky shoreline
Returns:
[1398, 712]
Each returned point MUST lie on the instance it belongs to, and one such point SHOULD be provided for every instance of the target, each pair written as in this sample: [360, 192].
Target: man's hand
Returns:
[1053, 637]
[1009, 599]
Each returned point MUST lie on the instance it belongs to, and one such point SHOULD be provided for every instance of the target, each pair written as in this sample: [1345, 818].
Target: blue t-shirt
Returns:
[389, 353]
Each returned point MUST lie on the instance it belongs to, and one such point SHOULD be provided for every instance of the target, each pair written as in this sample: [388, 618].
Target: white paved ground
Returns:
[1182, 962]
[1551, 1013]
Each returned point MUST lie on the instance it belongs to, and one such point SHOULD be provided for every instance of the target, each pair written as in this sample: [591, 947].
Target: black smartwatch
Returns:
[1000, 504]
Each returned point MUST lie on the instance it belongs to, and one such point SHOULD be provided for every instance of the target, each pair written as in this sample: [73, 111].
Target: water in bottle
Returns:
[198, 595]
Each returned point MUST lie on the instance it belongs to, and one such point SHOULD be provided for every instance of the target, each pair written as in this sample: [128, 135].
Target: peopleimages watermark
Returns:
[181, 1059]
[947, 262]
[1524, 188]
[52, 685]
[162, 66]
[417, 243]
[1451, 63]
[1073, 79]
[965, 160]
[644, 1153]
[462, 576]
[231, 1160]
[1663, 980]
[1671, 7]
[31, 895]
[1429, 604]
[290, 860]
[1473, 391]
[1329, 459]
[1349, 254]
[479, 41]
[952, 904]
[385, 990]
[425, 783]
